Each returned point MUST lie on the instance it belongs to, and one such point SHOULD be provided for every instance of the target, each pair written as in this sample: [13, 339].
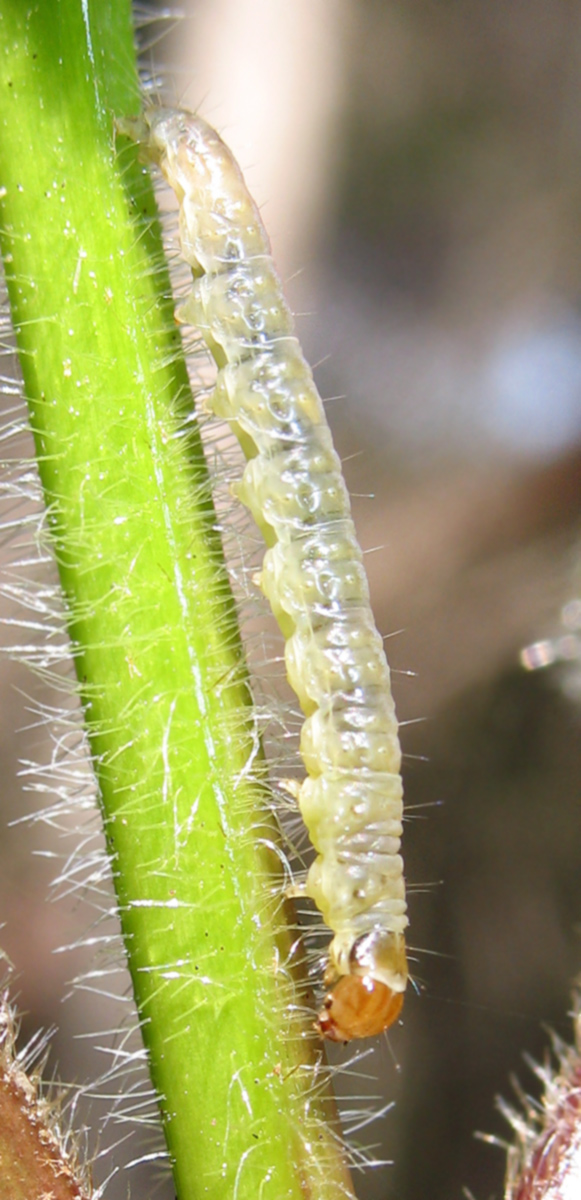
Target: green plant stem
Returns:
[152, 620]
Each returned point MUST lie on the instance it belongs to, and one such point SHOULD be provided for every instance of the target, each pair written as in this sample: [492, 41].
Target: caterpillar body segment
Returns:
[312, 573]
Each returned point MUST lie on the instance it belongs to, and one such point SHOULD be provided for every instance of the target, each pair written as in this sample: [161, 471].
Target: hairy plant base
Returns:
[36, 1155]
[545, 1164]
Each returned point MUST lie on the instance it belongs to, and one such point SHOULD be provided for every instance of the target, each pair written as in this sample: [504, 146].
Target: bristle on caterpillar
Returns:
[312, 573]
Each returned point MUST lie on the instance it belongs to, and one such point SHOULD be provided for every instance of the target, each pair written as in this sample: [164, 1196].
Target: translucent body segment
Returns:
[351, 738]
[272, 395]
[312, 573]
[316, 664]
[238, 309]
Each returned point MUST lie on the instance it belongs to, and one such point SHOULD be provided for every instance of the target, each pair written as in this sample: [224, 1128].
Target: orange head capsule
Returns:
[357, 1007]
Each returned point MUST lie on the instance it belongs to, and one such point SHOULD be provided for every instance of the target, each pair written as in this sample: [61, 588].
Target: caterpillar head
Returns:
[368, 986]
[358, 1006]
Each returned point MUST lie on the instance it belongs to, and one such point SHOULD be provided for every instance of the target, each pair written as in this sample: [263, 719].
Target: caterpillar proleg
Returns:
[312, 574]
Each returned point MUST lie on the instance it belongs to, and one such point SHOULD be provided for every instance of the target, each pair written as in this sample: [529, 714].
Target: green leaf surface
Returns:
[152, 620]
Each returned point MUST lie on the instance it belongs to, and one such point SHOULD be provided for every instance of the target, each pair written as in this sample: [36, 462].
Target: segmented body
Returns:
[312, 574]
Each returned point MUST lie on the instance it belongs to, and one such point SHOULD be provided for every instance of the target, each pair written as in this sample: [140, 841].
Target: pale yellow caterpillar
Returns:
[312, 574]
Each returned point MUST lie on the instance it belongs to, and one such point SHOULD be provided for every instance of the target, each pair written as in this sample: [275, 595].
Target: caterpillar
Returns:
[312, 573]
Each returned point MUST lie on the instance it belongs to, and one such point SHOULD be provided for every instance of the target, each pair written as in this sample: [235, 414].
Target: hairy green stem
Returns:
[152, 620]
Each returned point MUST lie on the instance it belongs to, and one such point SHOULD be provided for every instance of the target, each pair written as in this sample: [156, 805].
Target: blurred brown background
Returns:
[419, 167]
